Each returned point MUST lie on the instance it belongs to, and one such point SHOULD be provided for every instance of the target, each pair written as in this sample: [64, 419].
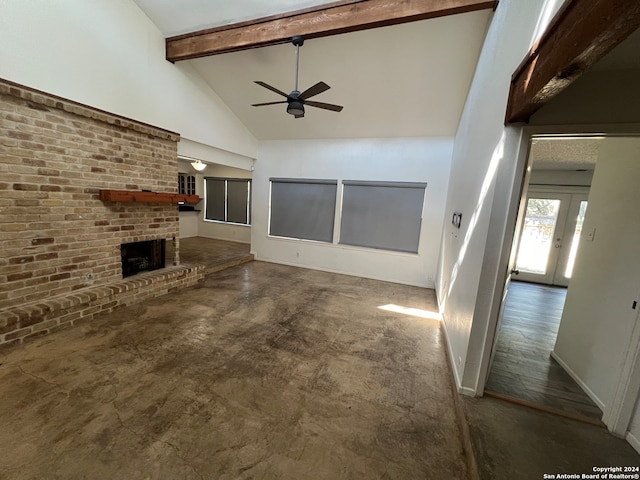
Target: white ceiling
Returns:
[174, 17]
[399, 81]
[564, 153]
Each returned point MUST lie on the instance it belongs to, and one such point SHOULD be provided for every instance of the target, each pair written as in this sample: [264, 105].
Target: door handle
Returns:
[515, 271]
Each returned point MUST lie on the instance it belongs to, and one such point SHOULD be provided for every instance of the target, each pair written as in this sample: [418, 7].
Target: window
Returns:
[228, 200]
[303, 209]
[186, 184]
[385, 215]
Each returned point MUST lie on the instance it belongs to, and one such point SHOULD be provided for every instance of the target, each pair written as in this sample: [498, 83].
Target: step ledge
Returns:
[24, 321]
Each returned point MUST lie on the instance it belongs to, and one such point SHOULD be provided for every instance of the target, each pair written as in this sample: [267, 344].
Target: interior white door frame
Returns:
[618, 416]
[619, 411]
[507, 259]
[512, 255]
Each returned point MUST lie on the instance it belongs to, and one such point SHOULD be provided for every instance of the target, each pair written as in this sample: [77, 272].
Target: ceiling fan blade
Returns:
[326, 106]
[314, 90]
[267, 103]
[269, 87]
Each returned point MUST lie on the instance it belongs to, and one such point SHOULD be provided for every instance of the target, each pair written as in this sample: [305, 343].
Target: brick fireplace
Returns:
[61, 244]
[144, 256]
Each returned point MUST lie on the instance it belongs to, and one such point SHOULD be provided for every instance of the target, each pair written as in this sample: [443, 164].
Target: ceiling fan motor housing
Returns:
[295, 100]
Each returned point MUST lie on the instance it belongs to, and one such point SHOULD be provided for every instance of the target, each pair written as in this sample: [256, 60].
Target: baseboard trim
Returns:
[449, 350]
[458, 406]
[339, 272]
[469, 392]
[633, 441]
[579, 381]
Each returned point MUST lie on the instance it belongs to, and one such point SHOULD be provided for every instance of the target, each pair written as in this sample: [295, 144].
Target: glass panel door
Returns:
[573, 230]
[543, 225]
[537, 235]
[576, 240]
[550, 218]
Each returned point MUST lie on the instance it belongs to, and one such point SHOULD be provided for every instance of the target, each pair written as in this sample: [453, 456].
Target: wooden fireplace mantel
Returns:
[148, 197]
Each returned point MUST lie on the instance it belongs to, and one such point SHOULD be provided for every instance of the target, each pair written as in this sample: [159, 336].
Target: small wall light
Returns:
[198, 165]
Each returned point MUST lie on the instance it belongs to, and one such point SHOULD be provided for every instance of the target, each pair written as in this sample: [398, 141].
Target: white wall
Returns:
[188, 224]
[189, 149]
[404, 159]
[483, 175]
[598, 318]
[109, 55]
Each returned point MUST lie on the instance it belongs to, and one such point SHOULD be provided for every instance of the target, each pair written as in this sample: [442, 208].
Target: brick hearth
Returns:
[60, 260]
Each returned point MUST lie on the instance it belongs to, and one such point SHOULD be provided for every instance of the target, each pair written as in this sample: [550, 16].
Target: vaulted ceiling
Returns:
[394, 81]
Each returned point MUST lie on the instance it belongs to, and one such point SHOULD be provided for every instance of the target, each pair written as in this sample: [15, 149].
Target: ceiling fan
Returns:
[295, 100]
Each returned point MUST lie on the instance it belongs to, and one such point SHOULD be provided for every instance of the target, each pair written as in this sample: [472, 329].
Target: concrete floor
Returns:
[265, 372]
[268, 372]
[511, 441]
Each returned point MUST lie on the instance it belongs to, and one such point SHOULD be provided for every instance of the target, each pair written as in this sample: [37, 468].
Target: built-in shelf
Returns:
[148, 197]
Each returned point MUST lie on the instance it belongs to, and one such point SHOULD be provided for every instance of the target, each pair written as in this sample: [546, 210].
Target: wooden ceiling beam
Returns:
[335, 18]
[581, 33]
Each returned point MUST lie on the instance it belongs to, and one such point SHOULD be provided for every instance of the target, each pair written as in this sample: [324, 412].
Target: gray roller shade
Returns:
[237, 196]
[214, 207]
[385, 215]
[303, 209]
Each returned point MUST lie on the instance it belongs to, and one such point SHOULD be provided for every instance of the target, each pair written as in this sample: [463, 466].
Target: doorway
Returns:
[550, 230]
[523, 369]
[550, 235]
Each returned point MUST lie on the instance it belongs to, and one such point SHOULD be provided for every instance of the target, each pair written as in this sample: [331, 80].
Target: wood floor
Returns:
[522, 367]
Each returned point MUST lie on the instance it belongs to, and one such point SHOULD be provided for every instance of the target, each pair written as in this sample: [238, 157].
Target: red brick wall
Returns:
[56, 236]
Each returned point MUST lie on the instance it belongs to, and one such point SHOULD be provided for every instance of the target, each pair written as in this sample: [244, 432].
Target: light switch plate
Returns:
[590, 235]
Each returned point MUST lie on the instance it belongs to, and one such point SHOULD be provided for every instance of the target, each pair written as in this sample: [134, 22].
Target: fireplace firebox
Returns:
[142, 256]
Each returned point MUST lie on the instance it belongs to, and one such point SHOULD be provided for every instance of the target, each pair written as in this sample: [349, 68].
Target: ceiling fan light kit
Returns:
[295, 100]
[296, 109]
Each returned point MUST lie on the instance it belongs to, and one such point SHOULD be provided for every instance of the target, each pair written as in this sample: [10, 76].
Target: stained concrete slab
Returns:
[214, 254]
[511, 441]
[265, 372]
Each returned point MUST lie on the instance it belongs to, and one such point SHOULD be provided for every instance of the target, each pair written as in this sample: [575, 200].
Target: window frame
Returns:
[329, 237]
[226, 200]
[381, 237]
